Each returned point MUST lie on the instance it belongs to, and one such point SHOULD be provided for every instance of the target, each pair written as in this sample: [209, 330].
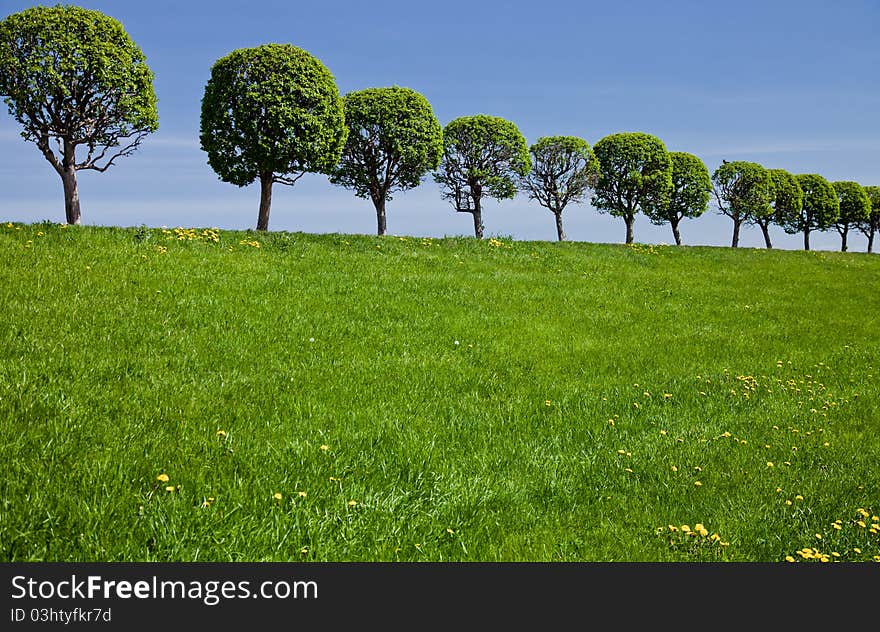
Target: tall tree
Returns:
[483, 156]
[271, 113]
[691, 189]
[394, 139]
[564, 169]
[872, 224]
[80, 88]
[818, 212]
[742, 191]
[635, 175]
[786, 198]
[855, 208]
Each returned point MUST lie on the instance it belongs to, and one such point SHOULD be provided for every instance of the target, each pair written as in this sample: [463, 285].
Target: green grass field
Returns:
[337, 397]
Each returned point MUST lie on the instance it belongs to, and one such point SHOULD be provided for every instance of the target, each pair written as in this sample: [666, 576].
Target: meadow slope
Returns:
[210, 395]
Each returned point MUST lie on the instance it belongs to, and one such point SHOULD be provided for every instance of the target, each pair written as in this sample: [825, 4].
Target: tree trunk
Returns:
[675, 232]
[71, 195]
[630, 220]
[765, 228]
[843, 239]
[871, 241]
[478, 217]
[806, 239]
[379, 203]
[735, 242]
[265, 201]
[559, 230]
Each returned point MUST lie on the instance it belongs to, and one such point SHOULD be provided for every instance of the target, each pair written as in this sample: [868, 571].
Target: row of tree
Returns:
[74, 79]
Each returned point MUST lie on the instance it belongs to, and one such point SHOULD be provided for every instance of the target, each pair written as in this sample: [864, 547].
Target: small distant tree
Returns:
[872, 224]
[786, 198]
[394, 139]
[79, 87]
[271, 113]
[855, 207]
[635, 175]
[742, 191]
[819, 210]
[483, 156]
[691, 190]
[564, 169]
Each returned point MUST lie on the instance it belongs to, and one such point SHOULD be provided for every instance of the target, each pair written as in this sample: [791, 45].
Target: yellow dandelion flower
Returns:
[663, 432]
[352, 503]
[672, 528]
[703, 532]
[818, 536]
[626, 469]
[547, 402]
[324, 447]
[857, 550]
[301, 494]
[798, 497]
[611, 422]
[170, 488]
[861, 523]
[667, 395]
[450, 531]
[863, 513]
[835, 553]
[789, 558]
[221, 433]
[698, 484]
[685, 528]
[276, 496]
[621, 451]
[826, 444]
[304, 550]
[788, 463]
[725, 434]
[788, 502]
[769, 463]
[699, 526]
[837, 526]
[674, 469]
[778, 489]
[875, 518]
[715, 537]
[162, 478]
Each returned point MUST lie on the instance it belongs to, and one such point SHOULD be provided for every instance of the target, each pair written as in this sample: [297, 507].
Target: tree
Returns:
[80, 88]
[872, 224]
[786, 198]
[564, 169]
[691, 189]
[819, 210]
[742, 191]
[394, 139]
[271, 113]
[482, 156]
[855, 207]
[635, 175]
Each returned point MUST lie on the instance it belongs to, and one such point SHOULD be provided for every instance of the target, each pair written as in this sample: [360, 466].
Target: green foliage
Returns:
[271, 110]
[855, 205]
[482, 156]
[394, 139]
[820, 208]
[742, 190]
[564, 169]
[75, 75]
[636, 174]
[691, 189]
[786, 196]
[873, 222]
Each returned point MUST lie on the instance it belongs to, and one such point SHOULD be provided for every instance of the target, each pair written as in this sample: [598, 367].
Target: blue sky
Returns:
[790, 85]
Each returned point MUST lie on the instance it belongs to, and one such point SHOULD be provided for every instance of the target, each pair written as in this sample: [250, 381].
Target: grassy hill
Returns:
[342, 397]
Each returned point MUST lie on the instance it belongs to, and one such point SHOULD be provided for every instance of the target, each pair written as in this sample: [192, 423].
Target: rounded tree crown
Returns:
[636, 173]
[855, 205]
[821, 207]
[272, 109]
[484, 152]
[564, 168]
[75, 73]
[394, 139]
